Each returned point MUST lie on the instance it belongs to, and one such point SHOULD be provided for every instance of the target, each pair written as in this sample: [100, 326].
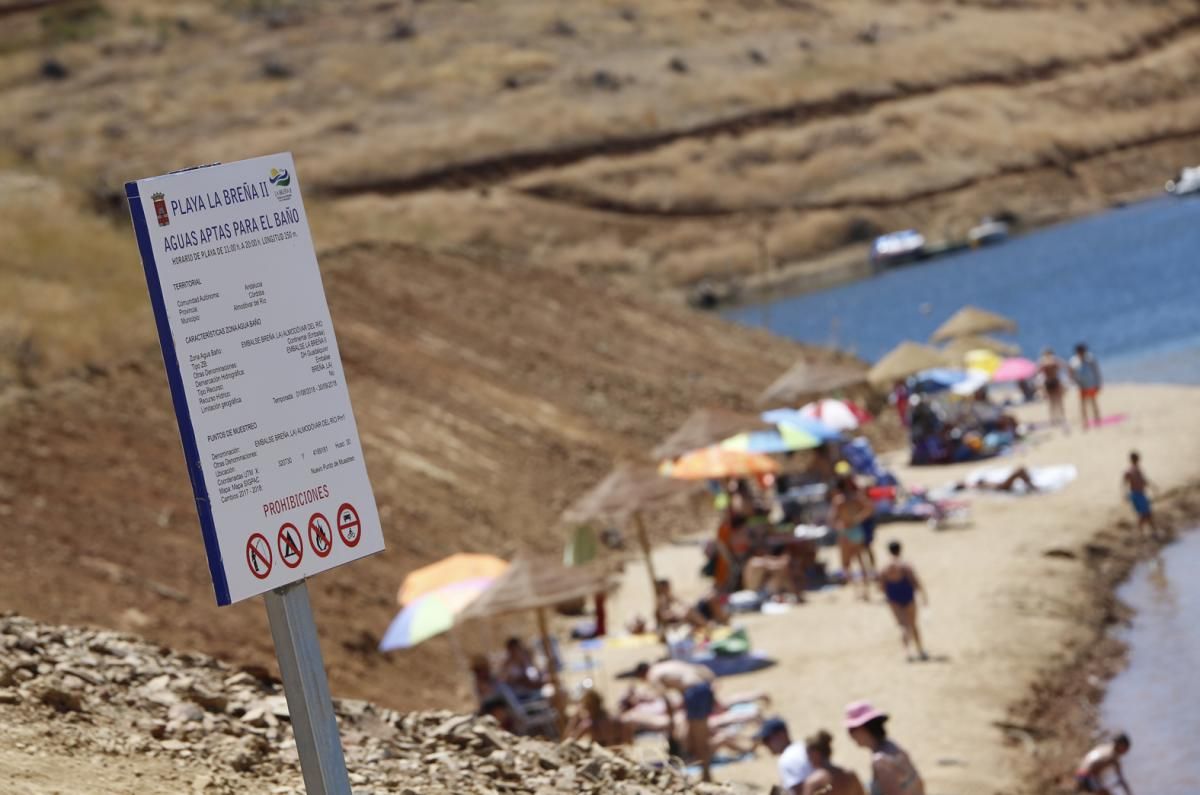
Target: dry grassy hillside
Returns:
[656, 143]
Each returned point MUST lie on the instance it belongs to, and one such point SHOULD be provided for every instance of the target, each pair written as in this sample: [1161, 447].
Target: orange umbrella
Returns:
[717, 462]
[448, 571]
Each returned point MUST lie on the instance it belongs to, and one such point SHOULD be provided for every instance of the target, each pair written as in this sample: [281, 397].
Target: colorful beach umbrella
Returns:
[840, 415]
[432, 614]
[1015, 369]
[981, 359]
[937, 379]
[783, 440]
[795, 419]
[461, 567]
[975, 380]
[716, 462]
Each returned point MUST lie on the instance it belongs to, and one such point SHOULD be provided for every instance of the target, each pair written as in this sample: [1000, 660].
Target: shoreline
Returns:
[1058, 719]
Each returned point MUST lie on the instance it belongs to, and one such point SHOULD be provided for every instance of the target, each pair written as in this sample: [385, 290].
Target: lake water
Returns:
[1157, 699]
[1126, 282]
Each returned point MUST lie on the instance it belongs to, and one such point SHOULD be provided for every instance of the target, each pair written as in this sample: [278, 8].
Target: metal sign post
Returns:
[307, 690]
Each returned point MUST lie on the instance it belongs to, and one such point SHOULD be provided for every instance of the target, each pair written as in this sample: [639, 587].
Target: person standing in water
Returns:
[900, 587]
[893, 772]
[1137, 487]
[827, 778]
[1050, 370]
[1085, 371]
[1104, 757]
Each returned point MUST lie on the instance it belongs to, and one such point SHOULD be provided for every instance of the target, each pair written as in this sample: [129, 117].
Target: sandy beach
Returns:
[1002, 612]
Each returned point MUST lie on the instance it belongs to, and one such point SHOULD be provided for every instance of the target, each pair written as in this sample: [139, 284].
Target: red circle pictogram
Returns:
[290, 544]
[348, 524]
[320, 535]
[258, 556]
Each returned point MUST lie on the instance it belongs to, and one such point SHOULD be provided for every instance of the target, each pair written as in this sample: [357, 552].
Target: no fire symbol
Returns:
[291, 546]
[258, 556]
[320, 534]
[349, 527]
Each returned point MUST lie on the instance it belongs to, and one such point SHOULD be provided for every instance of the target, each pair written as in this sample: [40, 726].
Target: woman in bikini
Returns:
[848, 509]
[1050, 369]
[900, 587]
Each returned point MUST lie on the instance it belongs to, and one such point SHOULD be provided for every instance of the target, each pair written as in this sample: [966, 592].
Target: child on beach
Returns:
[1137, 486]
[1104, 757]
[900, 587]
[1085, 372]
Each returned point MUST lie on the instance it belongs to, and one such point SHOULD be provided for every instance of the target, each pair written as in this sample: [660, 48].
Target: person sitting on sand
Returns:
[1137, 487]
[694, 683]
[1104, 757]
[594, 722]
[900, 587]
[669, 611]
[893, 771]
[827, 778]
[848, 509]
[483, 681]
[794, 766]
[1085, 371]
[1008, 483]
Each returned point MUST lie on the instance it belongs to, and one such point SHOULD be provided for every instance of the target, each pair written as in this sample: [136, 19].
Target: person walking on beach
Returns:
[694, 683]
[1085, 372]
[900, 587]
[893, 771]
[848, 509]
[1137, 487]
[1101, 759]
[794, 764]
[827, 778]
[1050, 369]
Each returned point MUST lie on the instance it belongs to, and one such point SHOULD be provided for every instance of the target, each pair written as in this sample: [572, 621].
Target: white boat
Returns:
[988, 231]
[1187, 182]
[897, 248]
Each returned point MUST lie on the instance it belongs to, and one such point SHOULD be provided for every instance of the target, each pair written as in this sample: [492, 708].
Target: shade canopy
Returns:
[714, 463]
[808, 379]
[626, 489]
[432, 614]
[706, 427]
[534, 584]
[972, 320]
[457, 568]
[907, 358]
[959, 347]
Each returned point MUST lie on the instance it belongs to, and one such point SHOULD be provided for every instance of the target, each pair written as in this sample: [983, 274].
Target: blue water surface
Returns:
[1126, 282]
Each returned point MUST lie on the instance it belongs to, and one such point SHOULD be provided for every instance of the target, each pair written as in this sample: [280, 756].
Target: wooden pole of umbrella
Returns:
[559, 699]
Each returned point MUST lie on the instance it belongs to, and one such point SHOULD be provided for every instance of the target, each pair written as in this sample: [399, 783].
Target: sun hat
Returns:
[860, 713]
[770, 727]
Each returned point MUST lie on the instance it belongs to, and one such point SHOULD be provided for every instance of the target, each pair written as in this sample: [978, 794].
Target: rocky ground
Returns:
[72, 694]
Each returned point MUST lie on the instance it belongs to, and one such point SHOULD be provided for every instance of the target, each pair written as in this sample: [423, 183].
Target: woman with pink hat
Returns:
[893, 771]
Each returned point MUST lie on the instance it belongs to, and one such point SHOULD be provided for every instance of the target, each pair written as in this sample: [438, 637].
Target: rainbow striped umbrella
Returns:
[432, 614]
[716, 461]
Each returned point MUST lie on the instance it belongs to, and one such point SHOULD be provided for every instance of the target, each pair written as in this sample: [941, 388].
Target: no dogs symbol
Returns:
[349, 527]
[258, 556]
[291, 546]
[320, 535]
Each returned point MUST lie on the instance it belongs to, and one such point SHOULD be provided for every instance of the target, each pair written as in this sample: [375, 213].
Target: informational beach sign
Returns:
[269, 436]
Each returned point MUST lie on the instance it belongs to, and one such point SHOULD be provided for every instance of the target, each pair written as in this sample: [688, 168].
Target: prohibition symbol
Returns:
[291, 546]
[320, 535]
[258, 556]
[349, 527]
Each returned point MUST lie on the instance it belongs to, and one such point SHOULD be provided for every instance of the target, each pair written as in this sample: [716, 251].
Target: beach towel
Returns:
[722, 665]
[1112, 419]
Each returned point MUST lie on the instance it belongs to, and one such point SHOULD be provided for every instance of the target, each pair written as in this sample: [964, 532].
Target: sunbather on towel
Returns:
[1008, 483]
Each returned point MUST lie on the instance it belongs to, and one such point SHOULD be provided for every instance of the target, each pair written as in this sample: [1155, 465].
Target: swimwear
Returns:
[856, 535]
[1090, 392]
[868, 527]
[899, 592]
[1141, 503]
[699, 701]
[1085, 782]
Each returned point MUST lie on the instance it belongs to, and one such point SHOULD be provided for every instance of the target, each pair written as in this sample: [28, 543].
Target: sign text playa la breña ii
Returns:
[268, 432]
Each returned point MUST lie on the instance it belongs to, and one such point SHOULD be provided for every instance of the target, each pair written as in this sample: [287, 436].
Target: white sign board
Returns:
[269, 436]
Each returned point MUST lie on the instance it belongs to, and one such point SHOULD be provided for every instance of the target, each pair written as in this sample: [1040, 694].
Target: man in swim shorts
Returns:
[1104, 757]
[694, 683]
[1137, 486]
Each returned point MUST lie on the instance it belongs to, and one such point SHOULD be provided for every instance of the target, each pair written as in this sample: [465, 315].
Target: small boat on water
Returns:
[1188, 181]
[897, 248]
[987, 233]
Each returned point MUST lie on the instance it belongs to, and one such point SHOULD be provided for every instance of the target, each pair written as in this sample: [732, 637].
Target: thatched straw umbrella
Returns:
[972, 320]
